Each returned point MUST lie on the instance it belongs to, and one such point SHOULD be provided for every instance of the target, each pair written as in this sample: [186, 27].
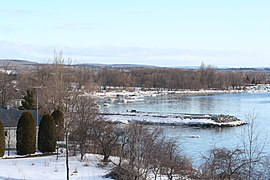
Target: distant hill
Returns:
[187, 67]
[17, 62]
[21, 64]
[17, 65]
[255, 69]
[117, 65]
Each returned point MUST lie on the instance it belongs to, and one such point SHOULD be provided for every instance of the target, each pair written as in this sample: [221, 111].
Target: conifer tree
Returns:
[2, 140]
[47, 134]
[29, 100]
[59, 122]
[26, 134]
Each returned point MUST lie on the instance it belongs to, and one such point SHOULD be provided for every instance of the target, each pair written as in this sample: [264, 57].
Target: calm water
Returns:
[239, 105]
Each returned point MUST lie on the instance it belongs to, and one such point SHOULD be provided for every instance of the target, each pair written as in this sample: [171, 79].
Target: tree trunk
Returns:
[67, 166]
[106, 157]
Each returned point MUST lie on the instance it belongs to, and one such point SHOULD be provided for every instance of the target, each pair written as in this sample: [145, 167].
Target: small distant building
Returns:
[10, 118]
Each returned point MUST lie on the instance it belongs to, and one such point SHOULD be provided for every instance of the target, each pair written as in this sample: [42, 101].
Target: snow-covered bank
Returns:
[201, 120]
[49, 168]
[138, 94]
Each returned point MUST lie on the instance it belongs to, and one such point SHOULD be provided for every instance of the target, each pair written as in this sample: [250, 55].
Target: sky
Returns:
[154, 32]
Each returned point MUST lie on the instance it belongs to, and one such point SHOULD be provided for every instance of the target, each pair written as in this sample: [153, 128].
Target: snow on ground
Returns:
[113, 91]
[47, 167]
[114, 94]
[150, 118]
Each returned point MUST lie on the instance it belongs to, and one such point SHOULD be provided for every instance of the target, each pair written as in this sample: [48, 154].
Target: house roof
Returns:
[10, 116]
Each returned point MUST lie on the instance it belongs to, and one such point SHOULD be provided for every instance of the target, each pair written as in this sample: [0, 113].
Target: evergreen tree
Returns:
[2, 140]
[58, 117]
[26, 134]
[47, 134]
[29, 100]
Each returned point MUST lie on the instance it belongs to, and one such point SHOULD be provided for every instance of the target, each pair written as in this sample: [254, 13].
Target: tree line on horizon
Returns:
[206, 77]
[54, 76]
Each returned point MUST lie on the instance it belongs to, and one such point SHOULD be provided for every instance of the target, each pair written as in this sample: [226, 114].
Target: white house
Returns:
[10, 118]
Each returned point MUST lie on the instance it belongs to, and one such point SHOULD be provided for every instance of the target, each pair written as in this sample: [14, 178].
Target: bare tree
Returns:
[56, 85]
[85, 117]
[136, 145]
[266, 168]
[7, 85]
[106, 135]
[223, 163]
[245, 162]
[69, 117]
[253, 147]
[146, 151]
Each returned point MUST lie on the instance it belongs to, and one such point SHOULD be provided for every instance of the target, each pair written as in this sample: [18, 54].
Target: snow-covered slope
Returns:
[48, 167]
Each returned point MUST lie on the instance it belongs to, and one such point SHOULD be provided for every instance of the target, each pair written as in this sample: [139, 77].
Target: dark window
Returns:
[5, 133]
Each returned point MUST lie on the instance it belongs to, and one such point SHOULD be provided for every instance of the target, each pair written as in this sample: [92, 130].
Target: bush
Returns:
[122, 173]
[47, 134]
[29, 100]
[58, 117]
[26, 134]
[2, 140]
[146, 152]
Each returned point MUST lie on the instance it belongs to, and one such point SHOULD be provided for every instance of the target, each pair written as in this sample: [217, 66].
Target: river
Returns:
[240, 105]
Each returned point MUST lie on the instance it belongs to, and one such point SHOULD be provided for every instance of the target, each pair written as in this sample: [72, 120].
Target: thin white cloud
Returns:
[16, 12]
[135, 12]
[8, 30]
[138, 55]
[78, 26]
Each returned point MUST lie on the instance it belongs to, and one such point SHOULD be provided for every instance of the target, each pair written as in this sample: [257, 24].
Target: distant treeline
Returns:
[206, 77]
[58, 77]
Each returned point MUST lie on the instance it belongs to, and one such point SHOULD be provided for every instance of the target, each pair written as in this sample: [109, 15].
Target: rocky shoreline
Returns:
[190, 120]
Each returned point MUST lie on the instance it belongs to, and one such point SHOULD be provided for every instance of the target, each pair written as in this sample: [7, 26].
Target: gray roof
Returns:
[10, 116]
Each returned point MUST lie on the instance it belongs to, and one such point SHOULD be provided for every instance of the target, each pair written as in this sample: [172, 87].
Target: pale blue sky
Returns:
[228, 33]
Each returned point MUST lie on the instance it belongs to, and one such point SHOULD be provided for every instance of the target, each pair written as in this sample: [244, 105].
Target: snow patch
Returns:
[175, 119]
[50, 168]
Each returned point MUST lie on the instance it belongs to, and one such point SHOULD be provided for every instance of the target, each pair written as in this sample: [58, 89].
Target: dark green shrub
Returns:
[2, 140]
[47, 134]
[58, 117]
[29, 100]
[26, 134]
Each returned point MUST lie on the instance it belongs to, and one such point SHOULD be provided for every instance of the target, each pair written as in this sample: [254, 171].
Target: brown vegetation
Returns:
[206, 77]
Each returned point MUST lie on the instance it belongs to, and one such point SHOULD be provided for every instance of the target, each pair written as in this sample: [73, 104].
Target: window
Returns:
[5, 133]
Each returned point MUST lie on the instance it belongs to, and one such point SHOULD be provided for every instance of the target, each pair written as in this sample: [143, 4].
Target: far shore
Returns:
[137, 93]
